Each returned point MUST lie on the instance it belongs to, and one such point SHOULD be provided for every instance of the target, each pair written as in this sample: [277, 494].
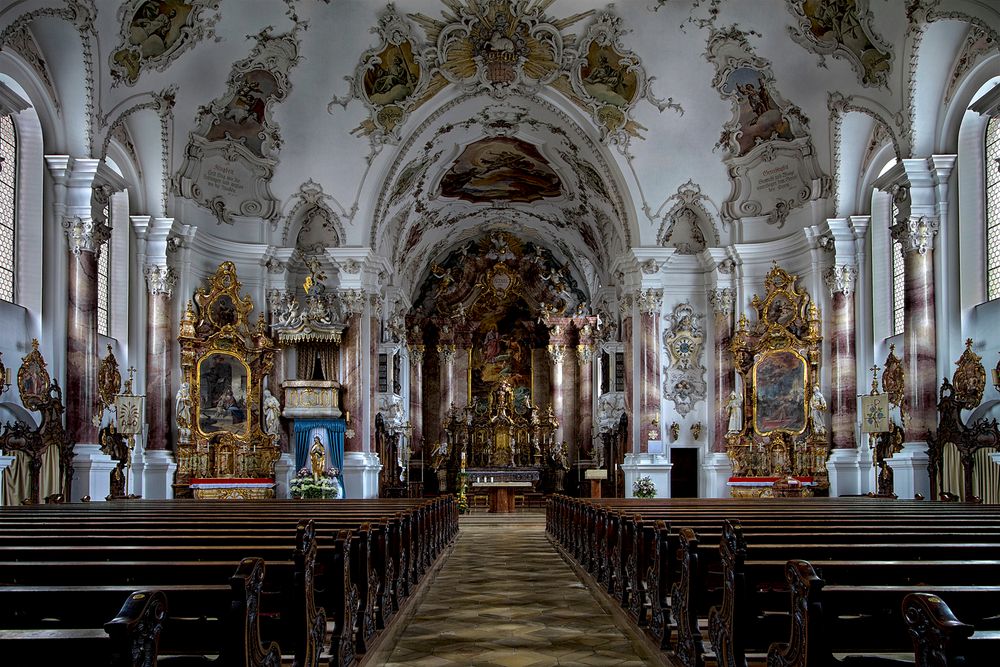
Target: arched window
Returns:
[992, 168]
[898, 293]
[104, 283]
[8, 207]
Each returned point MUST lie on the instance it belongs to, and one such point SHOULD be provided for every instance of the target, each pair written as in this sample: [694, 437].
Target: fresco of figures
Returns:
[501, 168]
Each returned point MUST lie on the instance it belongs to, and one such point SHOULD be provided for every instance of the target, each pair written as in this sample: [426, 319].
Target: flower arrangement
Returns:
[643, 487]
[304, 486]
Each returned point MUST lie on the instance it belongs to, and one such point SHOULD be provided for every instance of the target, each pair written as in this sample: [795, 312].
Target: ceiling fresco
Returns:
[500, 169]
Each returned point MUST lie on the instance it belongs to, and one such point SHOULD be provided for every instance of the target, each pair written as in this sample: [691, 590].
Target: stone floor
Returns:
[506, 598]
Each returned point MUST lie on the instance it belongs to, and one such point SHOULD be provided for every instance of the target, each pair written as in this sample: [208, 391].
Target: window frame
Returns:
[11, 168]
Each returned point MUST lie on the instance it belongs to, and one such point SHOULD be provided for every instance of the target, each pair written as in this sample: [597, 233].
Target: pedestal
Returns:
[595, 488]
[5, 462]
[909, 471]
[718, 468]
[655, 466]
[137, 472]
[284, 470]
[845, 472]
[361, 475]
[91, 473]
[501, 494]
[158, 476]
[596, 478]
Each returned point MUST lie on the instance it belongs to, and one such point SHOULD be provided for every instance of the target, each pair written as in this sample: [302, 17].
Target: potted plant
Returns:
[643, 487]
[305, 485]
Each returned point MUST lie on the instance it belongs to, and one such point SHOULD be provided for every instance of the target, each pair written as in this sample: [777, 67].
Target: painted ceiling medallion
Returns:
[501, 169]
[232, 152]
[155, 32]
[844, 30]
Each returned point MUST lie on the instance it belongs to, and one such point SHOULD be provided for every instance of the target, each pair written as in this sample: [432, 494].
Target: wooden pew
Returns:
[940, 639]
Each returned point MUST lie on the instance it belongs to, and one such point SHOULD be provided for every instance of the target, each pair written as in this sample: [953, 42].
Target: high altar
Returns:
[222, 450]
[778, 438]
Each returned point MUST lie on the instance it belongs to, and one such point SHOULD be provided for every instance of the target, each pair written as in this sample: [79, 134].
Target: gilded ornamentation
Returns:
[109, 383]
[893, 378]
[33, 378]
[696, 430]
[224, 359]
[684, 376]
[675, 431]
[969, 379]
[557, 353]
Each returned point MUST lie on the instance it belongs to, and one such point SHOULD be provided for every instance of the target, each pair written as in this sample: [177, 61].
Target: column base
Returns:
[361, 471]
[909, 471]
[5, 462]
[91, 473]
[158, 475]
[284, 470]
[717, 470]
[845, 469]
[655, 466]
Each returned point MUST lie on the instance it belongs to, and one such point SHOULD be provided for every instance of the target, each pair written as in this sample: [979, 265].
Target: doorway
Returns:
[684, 474]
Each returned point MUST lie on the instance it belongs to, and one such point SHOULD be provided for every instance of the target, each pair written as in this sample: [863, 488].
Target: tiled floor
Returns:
[506, 598]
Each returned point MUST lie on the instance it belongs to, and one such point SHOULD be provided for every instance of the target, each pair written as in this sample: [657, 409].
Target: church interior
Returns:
[401, 288]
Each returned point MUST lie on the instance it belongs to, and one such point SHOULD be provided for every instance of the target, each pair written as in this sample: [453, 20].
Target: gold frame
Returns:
[806, 392]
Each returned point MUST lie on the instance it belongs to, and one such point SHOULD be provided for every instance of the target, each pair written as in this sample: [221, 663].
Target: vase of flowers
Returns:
[305, 485]
[643, 487]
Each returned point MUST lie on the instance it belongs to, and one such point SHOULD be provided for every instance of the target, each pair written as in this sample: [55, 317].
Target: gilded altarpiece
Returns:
[782, 443]
[223, 451]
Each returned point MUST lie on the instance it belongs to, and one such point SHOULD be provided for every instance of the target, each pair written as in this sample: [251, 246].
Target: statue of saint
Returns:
[317, 458]
[735, 407]
[817, 406]
[182, 410]
[272, 412]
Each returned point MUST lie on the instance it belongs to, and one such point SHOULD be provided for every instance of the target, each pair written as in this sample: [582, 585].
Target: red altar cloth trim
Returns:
[231, 480]
[771, 480]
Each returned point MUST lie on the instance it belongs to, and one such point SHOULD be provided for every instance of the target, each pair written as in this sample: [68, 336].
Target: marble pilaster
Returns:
[417, 397]
[160, 282]
[840, 280]
[722, 305]
[585, 395]
[446, 355]
[650, 302]
[625, 309]
[81, 342]
[916, 235]
[557, 357]
[354, 350]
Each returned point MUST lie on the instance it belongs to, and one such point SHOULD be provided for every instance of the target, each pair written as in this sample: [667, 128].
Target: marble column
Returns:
[916, 235]
[722, 305]
[160, 282]
[374, 336]
[843, 391]
[650, 302]
[446, 354]
[625, 309]
[557, 357]
[85, 236]
[585, 396]
[354, 347]
[417, 397]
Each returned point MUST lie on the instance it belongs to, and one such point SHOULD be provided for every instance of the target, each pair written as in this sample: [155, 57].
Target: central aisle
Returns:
[505, 597]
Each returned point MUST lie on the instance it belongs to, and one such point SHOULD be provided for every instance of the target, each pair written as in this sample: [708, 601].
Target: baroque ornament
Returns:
[684, 376]
[770, 157]
[915, 234]
[840, 279]
[232, 153]
[154, 34]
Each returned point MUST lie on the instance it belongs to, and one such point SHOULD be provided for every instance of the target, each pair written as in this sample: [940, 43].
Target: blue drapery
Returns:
[334, 438]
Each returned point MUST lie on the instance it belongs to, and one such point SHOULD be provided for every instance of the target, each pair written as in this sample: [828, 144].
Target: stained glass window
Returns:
[8, 207]
[104, 284]
[993, 208]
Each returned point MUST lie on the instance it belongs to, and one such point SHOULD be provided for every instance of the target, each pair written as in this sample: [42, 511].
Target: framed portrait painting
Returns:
[780, 398]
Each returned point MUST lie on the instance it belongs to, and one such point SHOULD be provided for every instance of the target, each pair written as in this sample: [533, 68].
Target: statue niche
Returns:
[222, 450]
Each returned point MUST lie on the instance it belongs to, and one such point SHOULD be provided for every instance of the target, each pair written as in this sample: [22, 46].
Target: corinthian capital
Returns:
[447, 352]
[160, 279]
[650, 301]
[840, 279]
[557, 353]
[916, 234]
[85, 234]
[722, 300]
[353, 300]
[584, 354]
[416, 355]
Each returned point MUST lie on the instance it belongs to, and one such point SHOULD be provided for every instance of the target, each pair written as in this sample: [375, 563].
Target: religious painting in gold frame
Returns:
[780, 402]
[223, 383]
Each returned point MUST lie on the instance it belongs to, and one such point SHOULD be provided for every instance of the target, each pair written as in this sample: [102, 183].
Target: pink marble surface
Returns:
[585, 403]
[843, 399]
[919, 346]
[374, 331]
[556, 386]
[446, 364]
[649, 388]
[159, 366]
[353, 349]
[723, 377]
[627, 346]
[417, 403]
[81, 348]
[460, 376]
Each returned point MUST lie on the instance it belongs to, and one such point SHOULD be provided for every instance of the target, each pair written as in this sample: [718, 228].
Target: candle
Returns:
[347, 416]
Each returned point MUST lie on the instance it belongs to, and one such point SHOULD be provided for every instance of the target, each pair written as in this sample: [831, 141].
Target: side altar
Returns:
[777, 437]
[222, 450]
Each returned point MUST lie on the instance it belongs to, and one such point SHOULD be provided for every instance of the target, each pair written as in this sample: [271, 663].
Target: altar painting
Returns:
[780, 399]
[607, 78]
[503, 354]
[501, 169]
[760, 119]
[223, 394]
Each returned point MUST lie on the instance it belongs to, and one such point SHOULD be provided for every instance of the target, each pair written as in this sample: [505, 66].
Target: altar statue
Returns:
[735, 407]
[272, 412]
[182, 409]
[317, 458]
[817, 406]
